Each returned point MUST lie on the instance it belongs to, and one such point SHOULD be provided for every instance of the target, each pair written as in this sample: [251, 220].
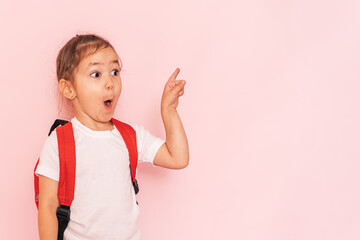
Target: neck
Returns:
[95, 124]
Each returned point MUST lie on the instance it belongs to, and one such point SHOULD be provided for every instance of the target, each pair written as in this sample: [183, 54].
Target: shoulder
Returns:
[50, 147]
[137, 127]
[143, 135]
[49, 160]
[52, 138]
[51, 141]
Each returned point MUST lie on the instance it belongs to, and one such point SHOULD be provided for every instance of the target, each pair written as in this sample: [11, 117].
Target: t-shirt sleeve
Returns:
[49, 158]
[147, 144]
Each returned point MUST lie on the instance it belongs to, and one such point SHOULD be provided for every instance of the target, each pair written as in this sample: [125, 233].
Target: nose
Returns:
[109, 83]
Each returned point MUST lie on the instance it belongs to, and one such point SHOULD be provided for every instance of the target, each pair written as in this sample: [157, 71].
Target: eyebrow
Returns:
[97, 63]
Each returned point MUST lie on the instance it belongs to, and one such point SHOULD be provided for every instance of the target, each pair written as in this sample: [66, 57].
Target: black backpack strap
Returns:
[63, 216]
[57, 123]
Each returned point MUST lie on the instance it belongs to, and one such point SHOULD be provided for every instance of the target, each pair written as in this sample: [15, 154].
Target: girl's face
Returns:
[97, 86]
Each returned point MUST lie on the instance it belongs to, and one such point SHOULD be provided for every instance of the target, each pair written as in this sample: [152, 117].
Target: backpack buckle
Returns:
[136, 186]
[63, 216]
[63, 213]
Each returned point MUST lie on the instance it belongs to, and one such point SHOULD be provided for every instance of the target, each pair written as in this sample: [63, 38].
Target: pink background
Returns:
[271, 110]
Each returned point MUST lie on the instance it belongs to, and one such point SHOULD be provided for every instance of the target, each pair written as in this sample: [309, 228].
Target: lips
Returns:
[108, 102]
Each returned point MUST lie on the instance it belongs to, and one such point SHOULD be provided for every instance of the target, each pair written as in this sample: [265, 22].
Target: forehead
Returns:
[101, 57]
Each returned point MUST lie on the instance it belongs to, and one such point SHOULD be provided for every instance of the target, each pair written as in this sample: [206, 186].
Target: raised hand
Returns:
[174, 153]
[172, 91]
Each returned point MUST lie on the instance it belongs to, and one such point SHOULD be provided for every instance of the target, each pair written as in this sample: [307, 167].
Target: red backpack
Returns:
[67, 161]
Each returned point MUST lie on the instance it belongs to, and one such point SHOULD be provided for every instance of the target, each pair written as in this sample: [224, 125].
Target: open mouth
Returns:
[108, 102]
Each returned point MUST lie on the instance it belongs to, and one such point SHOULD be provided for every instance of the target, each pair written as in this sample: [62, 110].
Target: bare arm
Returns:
[174, 153]
[48, 203]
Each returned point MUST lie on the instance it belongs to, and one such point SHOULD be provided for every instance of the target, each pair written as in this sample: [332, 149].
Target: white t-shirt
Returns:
[104, 205]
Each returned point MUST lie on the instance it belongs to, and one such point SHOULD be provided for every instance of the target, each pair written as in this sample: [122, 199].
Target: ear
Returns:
[67, 89]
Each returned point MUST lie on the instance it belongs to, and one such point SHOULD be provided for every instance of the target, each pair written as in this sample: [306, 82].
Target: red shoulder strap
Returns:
[67, 159]
[36, 185]
[67, 164]
[129, 136]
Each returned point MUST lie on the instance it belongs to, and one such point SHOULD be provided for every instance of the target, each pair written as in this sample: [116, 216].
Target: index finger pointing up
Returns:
[174, 75]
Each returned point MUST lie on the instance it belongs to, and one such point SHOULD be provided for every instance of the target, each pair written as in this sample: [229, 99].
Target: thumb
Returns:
[179, 85]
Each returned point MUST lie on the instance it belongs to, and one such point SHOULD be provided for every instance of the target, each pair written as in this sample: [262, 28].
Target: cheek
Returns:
[118, 87]
[89, 91]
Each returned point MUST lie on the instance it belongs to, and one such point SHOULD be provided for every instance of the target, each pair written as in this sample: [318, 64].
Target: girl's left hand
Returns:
[172, 91]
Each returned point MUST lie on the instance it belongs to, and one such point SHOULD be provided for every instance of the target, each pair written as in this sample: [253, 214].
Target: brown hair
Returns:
[76, 49]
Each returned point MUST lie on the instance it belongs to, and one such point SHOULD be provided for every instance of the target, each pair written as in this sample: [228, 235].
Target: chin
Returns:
[105, 118]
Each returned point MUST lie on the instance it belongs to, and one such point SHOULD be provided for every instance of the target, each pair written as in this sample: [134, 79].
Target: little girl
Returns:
[104, 206]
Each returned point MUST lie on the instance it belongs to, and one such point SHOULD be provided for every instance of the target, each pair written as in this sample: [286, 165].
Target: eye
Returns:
[95, 74]
[116, 72]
